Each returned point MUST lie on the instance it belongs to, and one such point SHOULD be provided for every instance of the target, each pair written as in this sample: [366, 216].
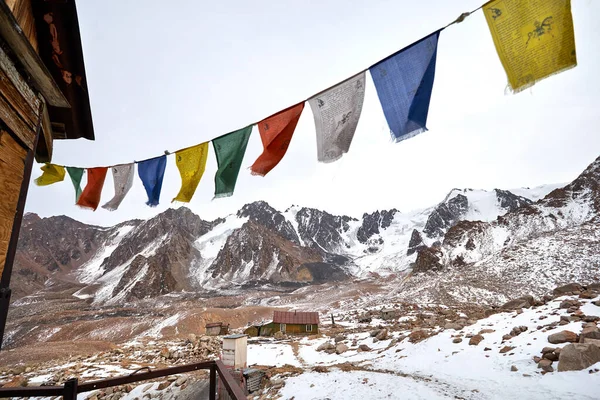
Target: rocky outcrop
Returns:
[373, 223]
[416, 243]
[428, 259]
[446, 215]
[578, 356]
[262, 213]
[323, 231]
[510, 201]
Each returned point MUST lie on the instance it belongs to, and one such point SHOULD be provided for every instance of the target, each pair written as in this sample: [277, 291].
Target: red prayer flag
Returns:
[90, 197]
[276, 133]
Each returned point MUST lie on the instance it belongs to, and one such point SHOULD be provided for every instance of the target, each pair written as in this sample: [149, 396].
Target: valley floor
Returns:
[437, 368]
[426, 352]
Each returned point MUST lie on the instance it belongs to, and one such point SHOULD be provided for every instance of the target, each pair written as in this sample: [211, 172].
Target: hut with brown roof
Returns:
[292, 322]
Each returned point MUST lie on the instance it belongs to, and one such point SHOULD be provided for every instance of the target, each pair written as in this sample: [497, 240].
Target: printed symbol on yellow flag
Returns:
[534, 39]
[191, 163]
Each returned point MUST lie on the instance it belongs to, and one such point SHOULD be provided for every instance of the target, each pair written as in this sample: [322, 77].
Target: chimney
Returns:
[294, 312]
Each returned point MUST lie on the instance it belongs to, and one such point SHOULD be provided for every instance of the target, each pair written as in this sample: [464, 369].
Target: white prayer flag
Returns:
[336, 113]
[123, 180]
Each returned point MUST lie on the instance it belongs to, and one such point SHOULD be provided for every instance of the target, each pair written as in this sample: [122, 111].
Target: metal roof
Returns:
[295, 317]
[214, 324]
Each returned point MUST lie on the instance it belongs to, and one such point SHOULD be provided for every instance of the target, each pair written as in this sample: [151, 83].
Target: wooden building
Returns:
[217, 328]
[43, 97]
[292, 322]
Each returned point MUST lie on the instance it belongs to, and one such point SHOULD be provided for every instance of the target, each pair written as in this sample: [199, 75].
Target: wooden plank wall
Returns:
[19, 105]
[12, 163]
[23, 13]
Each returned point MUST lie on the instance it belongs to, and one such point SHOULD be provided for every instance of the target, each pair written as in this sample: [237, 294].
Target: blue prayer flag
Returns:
[404, 82]
[151, 173]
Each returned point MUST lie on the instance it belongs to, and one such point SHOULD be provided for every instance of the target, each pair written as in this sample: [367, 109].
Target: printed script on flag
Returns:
[336, 113]
[534, 38]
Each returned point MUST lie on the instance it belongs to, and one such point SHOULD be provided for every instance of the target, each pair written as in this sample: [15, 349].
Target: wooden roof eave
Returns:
[31, 62]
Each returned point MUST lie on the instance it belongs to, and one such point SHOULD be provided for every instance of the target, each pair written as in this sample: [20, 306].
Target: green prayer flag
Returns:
[76, 174]
[230, 150]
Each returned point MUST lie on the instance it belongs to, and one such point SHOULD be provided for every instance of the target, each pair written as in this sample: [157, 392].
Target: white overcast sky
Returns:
[166, 75]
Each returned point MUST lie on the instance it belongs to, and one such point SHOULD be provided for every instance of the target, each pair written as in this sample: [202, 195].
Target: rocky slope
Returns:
[178, 252]
[528, 250]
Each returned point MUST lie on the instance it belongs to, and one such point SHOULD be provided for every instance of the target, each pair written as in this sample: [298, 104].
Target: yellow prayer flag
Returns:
[191, 163]
[534, 38]
[52, 173]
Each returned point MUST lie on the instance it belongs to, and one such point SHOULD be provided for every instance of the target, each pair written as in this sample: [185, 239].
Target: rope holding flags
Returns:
[534, 39]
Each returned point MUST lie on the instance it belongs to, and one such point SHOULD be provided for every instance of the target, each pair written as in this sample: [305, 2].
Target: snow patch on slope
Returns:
[92, 270]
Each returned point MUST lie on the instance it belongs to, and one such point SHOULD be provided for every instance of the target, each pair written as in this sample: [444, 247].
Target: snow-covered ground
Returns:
[437, 368]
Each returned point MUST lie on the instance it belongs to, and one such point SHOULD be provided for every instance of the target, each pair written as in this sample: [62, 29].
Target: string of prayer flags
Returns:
[404, 82]
[90, 197]
[76, 174]
[336, 112]
[230, 150]
[151, 173]
[51, 173]
[123, 181]
[191, 163]
[276, 133]
[534, 39]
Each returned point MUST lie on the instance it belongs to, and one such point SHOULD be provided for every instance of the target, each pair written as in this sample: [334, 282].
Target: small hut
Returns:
[292, 322]
[217, 328]
[388, 313]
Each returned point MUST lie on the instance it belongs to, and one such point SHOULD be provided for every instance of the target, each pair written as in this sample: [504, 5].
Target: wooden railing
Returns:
[72, 387]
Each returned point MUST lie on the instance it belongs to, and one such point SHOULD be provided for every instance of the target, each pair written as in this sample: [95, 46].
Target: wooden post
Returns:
[5, 291]
[70, 390]
[212, 395]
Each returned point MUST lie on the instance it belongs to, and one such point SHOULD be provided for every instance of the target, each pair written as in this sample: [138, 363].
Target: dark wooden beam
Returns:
[41, 78]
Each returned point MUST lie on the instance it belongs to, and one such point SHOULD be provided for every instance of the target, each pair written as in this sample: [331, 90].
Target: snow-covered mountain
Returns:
[177, 251]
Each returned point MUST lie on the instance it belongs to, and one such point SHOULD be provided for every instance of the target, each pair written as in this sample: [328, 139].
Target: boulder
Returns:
[163, 385]
[567, 289]
[375, 332]
[588, 294]
[568, 303]
[550, 356]
[506, 349]
[382, 335]
[591, 332]
[514, 368]
[339, 338]
[279, 335]
[548, 350]
[453, 325]
[562, 337]
[545, 365]
[417, 336]
[364, 347]
[341, 348]
[457, 340]
[484, 331]
[522, 302]
[326, 346]
[475, 340]
[578, 356]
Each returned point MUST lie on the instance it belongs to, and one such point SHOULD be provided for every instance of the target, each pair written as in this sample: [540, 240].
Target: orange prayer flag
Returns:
[276, 133]
[90, 198]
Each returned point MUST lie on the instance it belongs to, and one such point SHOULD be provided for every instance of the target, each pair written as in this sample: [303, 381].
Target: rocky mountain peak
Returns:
[262, 213]
[445, 215]
[372, 223]
[510, 201]
[585, 187]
